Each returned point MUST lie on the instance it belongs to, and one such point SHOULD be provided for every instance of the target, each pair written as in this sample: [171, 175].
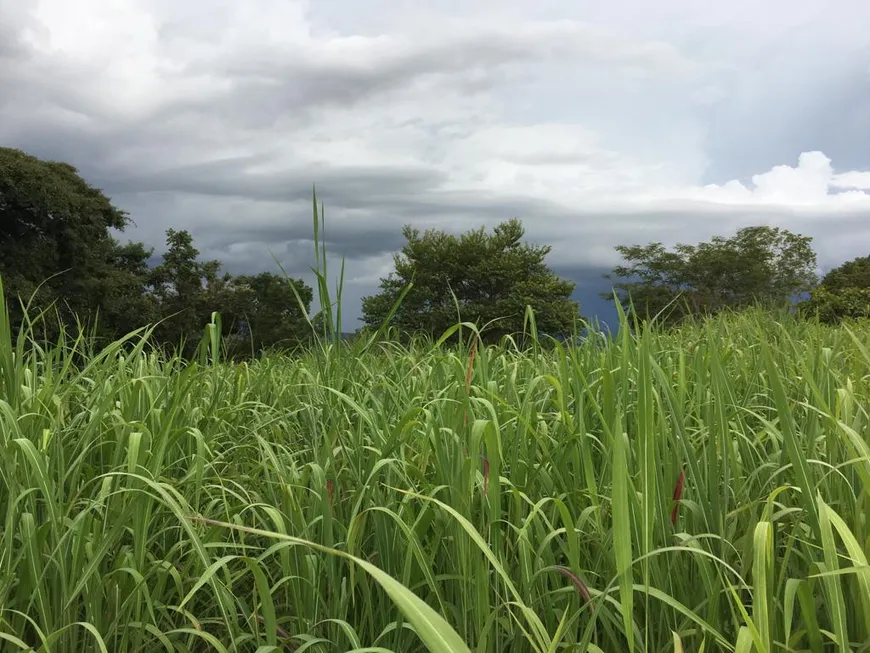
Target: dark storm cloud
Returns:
[589, 284]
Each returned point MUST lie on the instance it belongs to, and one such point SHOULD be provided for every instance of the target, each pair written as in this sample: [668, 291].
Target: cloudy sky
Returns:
[596, 123]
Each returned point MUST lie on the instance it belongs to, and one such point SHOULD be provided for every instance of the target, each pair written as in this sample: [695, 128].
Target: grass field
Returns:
[404, 498]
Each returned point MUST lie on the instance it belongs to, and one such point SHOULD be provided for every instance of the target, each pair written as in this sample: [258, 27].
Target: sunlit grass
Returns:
[525, 497]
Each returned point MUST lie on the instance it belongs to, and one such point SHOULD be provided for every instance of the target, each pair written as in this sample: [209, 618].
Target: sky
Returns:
[596, 124]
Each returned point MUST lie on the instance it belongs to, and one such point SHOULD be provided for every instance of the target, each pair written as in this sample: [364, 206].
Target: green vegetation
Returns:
[54, 236]
[484, 278]
[58, 256]
[843, 293]
[526, 497]
[758, 265]
[688, 484]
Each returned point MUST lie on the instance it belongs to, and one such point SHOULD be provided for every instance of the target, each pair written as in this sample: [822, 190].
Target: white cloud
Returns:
[859, 180]
[811, 183]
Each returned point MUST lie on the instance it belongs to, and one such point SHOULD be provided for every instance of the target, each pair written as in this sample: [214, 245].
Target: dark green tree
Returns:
[761, 264]
[188, 291]
[178, 286]
[492, 276]
[55, 231]
[125, 303]
[270, 311]
[55, 236]
[843, 293]
[257, 311]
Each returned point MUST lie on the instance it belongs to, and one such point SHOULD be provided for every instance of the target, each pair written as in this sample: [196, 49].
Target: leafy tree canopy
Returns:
[760, 264]
[493, 277]
[271, 312]
[258, 311]
[55, 237]
[186, 289]
[843, 293]
[54, 228]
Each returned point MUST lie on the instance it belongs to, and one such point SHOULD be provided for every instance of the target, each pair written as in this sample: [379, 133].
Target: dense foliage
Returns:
[704, 488]
[487, 279]
[843, 293]
[758, 265]
[54, 231]
[57, 251]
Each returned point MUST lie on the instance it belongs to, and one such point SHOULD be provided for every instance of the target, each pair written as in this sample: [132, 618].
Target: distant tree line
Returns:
[55, 238]
[57, 249]
[759, 265]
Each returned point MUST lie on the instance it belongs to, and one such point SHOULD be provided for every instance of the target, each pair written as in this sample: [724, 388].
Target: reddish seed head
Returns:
[579, 584]
[281, 632]
[470, 368]
[330, 490]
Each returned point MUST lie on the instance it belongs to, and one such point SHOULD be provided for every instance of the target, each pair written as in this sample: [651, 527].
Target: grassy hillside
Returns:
[526, 498]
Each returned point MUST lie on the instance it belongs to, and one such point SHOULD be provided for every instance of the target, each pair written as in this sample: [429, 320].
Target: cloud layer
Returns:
[595, 124]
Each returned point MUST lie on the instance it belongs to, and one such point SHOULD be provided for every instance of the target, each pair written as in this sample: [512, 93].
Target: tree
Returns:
[760, 264]
[843, 293]
[270, 313]
[55, 237]
[54, 228]
[256, 310]
[177, 283]
[188, 291]
[493, 277]
[125, 304]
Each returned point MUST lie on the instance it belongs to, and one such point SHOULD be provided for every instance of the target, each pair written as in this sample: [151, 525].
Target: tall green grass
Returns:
[375, 497]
